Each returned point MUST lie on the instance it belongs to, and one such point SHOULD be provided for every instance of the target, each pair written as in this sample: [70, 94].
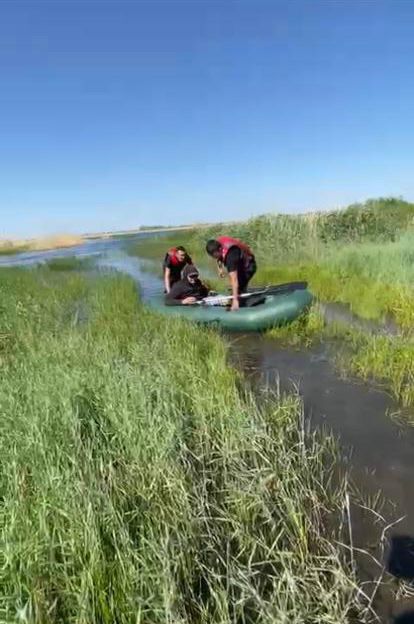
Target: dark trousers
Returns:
[245, 274]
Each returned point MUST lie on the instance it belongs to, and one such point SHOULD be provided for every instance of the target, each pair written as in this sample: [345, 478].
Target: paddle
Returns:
[268, 290]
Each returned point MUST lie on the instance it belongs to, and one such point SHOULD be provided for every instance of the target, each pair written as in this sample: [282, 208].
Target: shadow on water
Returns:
[401, 558]
[405, 618]
[359, 414]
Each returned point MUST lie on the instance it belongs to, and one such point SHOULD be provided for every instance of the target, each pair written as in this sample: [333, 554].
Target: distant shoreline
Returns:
[12, 247]
[178, 228]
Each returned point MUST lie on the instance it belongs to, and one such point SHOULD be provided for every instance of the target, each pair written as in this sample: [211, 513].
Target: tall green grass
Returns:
[362, 256]
[70, 263]
[139, 483]
[11, 250]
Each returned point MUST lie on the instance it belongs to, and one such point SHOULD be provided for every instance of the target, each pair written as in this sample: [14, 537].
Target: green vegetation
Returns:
[155, 247]
[389, 360]
[362, 256]
[139, 483]
[11, 250]
[70, 263]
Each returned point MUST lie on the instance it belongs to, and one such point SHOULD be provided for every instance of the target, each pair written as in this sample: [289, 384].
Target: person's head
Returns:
[181, 253]
[190, 273]
[213, 248]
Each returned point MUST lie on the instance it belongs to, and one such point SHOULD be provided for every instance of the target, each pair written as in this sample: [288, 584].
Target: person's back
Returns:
[188, 290]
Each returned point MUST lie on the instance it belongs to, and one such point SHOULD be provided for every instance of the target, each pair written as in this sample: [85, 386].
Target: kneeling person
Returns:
[188, 290]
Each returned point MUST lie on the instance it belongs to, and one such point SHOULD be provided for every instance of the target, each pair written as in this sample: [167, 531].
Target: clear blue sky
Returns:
[117, 113]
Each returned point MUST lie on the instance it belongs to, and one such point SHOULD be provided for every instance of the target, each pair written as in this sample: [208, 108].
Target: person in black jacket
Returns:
[188, 290]
[238, 259]
[175, 260]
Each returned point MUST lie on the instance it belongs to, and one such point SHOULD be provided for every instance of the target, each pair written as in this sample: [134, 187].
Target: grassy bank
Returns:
[130, 493]
[11, 250]
[386, 360]
[70, 263]
[39, 244]
[362, 256]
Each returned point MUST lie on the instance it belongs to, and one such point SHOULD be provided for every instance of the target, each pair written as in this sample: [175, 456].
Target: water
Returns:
[378, 452]
[107, 247]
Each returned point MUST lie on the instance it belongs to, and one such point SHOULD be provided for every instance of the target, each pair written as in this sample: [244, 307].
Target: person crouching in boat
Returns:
[175, 260]
[238, 259]
[188, 290]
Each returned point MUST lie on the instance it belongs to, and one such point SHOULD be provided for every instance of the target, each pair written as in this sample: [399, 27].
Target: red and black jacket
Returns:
[227, 242]
[172, 262]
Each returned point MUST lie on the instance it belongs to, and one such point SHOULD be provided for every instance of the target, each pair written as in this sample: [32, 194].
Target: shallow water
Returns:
[378, 452]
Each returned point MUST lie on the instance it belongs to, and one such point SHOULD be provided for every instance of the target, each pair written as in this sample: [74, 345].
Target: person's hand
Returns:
[189, 300]
[221, 273]
[235, 305]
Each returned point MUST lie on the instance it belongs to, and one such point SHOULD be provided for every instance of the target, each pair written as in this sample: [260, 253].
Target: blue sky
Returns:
[119, 113]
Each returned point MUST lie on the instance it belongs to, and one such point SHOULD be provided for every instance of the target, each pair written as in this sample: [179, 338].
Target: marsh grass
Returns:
[362, 256]
[387, 359]
[71, 263]
[11, 250]
[139, 483]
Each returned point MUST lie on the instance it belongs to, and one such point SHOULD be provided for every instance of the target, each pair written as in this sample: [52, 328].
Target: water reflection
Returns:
[357, 413]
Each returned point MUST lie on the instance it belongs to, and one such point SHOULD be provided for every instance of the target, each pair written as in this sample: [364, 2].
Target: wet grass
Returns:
[140, 483]
[389, 360]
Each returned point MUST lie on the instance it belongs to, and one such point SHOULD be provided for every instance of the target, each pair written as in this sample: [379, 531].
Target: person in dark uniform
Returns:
[188, 290]
[175, 260]
[238, 259]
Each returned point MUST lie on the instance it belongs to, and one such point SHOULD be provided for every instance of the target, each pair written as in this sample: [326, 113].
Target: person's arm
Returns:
[232, 263]
[169, 301]
[172, 298]
[167, 275]
[220, 268]
[234, 283]
[176, 296]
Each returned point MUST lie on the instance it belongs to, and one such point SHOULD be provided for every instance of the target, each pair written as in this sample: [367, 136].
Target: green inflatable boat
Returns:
[275, 306]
